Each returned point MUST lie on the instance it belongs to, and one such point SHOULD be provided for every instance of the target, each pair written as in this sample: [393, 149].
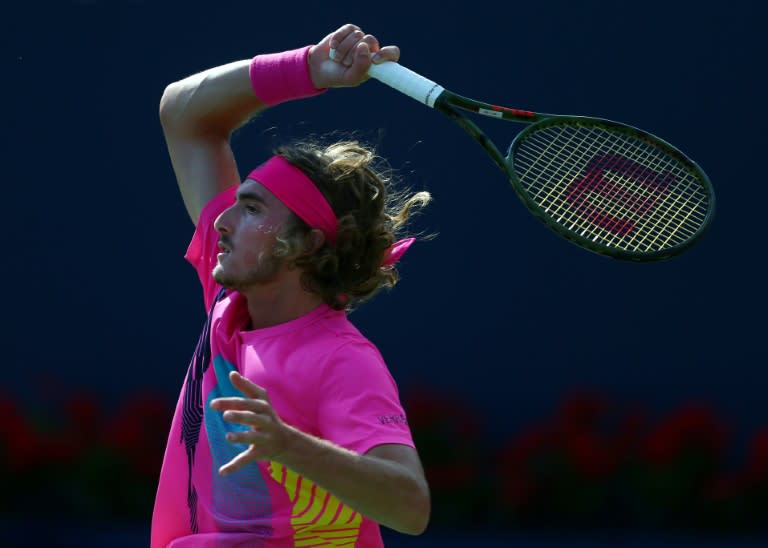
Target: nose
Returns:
[222, 224]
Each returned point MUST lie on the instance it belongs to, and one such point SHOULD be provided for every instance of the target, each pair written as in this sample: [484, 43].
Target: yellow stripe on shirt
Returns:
[318, 518]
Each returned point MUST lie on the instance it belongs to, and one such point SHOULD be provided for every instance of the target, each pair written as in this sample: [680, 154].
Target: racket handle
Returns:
[406, 81]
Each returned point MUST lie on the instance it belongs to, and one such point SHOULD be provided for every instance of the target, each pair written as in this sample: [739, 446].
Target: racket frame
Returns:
[449, 103]
[616, 253]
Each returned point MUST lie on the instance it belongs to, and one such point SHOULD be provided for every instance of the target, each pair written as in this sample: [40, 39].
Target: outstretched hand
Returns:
[268, 436]
[342, 58]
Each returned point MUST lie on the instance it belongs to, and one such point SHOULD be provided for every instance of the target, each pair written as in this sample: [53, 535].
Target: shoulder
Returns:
[347, 340]
[333, 329]
[357, 365]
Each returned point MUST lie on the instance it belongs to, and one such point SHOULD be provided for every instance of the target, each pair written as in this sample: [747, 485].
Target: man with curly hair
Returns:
[288, 430]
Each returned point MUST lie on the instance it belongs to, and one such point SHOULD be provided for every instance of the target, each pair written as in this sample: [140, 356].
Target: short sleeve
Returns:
[202, 250]
[358, 404]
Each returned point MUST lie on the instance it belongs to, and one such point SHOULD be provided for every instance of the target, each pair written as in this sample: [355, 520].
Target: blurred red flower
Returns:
[692, 426]
[20, 440]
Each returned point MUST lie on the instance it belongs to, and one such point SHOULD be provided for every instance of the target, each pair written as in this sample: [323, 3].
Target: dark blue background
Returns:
[497, 308]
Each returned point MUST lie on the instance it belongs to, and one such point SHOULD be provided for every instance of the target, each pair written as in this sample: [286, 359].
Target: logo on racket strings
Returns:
[615, 192]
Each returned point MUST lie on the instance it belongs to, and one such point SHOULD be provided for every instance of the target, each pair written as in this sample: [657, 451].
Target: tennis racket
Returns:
[605, 186]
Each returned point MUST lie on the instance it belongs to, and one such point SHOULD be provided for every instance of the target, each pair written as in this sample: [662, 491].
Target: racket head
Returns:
[611, 188]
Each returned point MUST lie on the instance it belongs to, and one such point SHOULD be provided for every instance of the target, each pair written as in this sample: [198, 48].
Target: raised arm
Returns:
[199, 113]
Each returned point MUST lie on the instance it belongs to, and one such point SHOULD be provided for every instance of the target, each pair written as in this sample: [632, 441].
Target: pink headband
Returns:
[297, 191]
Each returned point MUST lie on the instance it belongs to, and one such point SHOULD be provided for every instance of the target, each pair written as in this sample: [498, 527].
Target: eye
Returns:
[252, 208]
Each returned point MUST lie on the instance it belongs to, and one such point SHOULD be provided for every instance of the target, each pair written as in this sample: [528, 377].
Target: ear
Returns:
[314, 241]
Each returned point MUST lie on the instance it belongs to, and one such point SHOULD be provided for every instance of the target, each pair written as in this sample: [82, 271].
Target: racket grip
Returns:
[406, 81]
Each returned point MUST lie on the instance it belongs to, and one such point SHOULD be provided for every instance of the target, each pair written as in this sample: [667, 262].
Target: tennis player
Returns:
[288, 430]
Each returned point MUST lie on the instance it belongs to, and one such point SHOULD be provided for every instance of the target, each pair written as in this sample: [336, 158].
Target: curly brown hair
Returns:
[372, 214]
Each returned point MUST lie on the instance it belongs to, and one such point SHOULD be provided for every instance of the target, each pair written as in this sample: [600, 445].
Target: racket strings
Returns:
[602, 202]
[611, 186]
[614, 206]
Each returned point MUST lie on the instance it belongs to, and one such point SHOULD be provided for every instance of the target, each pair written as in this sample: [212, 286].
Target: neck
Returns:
[273, 304]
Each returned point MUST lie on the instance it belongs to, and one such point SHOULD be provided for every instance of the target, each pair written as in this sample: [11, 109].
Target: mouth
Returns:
[223, 248]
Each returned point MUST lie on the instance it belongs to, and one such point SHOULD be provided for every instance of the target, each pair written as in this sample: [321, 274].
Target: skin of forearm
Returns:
[216, 101]
[383, 490]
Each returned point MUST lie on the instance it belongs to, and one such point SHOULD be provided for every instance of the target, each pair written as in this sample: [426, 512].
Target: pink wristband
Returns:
[280, 77]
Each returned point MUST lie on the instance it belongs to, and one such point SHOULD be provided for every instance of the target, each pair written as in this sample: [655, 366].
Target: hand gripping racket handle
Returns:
[408, 82]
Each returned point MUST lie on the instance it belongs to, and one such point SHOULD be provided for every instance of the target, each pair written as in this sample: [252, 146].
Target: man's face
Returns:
[248, 232]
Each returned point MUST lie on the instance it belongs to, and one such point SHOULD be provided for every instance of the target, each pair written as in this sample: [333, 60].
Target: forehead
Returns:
[251, 189]
[254, 190]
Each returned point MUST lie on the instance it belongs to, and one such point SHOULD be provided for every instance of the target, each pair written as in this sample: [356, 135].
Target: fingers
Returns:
[240, 404]
[360, 63]
[343, 41]
[345, 47]
[253, 410]
[247, 387]
[237, 463]
[247, 437]
[255, 413]
[342, 58]
[388, 53]
[262, 446]
[248, 418]
[255, 400]
[363, 45]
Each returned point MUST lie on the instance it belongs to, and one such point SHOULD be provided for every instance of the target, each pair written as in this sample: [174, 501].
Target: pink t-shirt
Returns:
[322, 377]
